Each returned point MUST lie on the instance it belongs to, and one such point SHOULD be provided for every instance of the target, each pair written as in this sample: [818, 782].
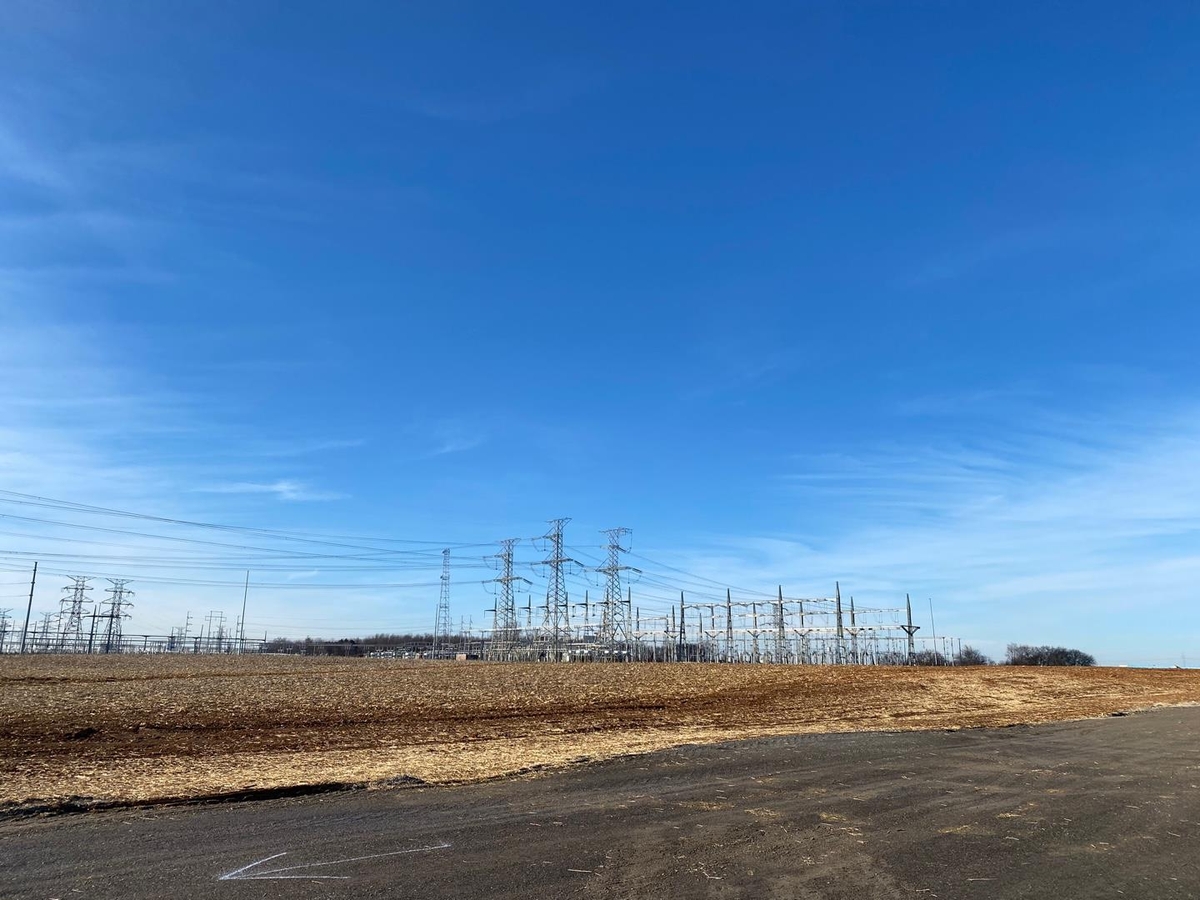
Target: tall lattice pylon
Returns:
[117, 602]
[505, 628]
[614, 621]
[70, 634]
[45, 636]
[441, 623]
[781, 645]
[554, 632]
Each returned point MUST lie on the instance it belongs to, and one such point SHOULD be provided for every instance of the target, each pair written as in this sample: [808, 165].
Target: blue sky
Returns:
[901, 295]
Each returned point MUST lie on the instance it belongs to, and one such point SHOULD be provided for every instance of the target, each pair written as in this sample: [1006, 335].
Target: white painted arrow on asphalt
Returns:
[251, 872]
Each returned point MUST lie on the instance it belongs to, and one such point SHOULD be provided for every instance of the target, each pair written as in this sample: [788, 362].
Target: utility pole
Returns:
[682, 628]
[615, 629]
[803, 636]
[92, 633]
[728, 626]
[629, 617]
[780, 636]
[637, 626]
[242, 622]
[29, 608]
[910, 629]
[710, 644]
[441, 623]
[933, 626]
[853, 633]
[840, 650]
[207, 627]
[222, 635]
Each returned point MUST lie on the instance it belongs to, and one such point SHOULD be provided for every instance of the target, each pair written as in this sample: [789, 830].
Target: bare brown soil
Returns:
[145, 729]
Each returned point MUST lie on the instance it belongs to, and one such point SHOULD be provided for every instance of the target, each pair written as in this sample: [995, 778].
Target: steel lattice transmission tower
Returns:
[70, 634]
[45, 641]
[117, 603]
[441, 624]
[505, 629]
[555, 624]
[614, 623]
[781, 647]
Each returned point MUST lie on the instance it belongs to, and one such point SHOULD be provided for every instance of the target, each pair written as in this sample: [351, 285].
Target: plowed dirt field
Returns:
[94, 730]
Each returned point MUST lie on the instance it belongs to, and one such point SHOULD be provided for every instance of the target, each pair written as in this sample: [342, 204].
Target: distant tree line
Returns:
[375, 643]
[1017, 655]
[1025, 655]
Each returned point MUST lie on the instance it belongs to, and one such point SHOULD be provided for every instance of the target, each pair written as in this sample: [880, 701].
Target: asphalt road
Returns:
[1104, 808]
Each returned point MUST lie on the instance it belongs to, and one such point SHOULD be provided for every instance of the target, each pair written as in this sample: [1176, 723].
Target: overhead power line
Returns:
[315, 538]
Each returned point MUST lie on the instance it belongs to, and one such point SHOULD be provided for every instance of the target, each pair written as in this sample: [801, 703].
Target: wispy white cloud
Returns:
[78, 425]
[300, 576]
[300, 447]
[72, 220]
[283, 489]
[143, 209]
[459, 444]
[1160, 250]
[80, 419]
[736, 367]
[988, 401]
[447, 436]
[1085, 534]
[986, 253]
[22, 162]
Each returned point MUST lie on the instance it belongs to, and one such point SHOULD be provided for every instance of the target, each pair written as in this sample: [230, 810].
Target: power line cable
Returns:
[315, 538]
